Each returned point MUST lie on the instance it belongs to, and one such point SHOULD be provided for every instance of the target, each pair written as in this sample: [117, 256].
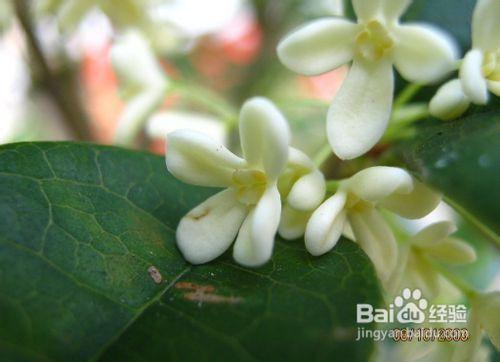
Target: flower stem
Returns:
[402, 118]
[410, 113]
[332, 185]
[68, 106]
[322, 155]
[406, 94]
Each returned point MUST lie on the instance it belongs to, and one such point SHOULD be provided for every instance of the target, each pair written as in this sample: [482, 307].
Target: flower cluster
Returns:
[376, 43]
[360, 112]
[250, 206]
[275, 188]
[415, 268]
[272, 174]
[480, 69]
[355, 205]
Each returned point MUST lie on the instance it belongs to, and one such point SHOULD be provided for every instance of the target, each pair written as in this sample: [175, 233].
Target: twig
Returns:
[324, 153]
[75, 120]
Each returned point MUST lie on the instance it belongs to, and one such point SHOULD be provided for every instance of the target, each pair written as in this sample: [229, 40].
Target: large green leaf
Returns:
[80, 228]
[461, 159]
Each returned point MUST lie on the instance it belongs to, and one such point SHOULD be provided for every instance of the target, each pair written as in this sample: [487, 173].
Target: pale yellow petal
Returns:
[208, 230]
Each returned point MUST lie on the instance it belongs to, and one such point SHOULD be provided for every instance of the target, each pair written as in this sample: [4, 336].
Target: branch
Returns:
[71, 115]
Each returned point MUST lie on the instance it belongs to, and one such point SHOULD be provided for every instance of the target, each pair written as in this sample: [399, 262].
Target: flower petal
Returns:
[297, 158]
[375, 237]
[298, 165]
[485, 25]
[347, 232]
[194, 158]
[208, 230]
[433, 234]
[255, 241]
[395, 281]
[449, 102]
[367, 9]
[360, 112]
[452, 251]
[265, 136]
[326, 225]
[293, 222]
[131, 52]
[474, 84]
[376, 183]
[393, 9]
[319, 46]
[424, 276]
[418, 203]
[423, 53]
[308, 192]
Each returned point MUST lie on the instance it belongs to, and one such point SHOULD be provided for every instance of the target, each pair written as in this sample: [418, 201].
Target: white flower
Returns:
[303, 188]
[361, 110]
[415, 263]
[355, 204]
[250, 207]
[480, 69]
[143, 83]
[449, 102]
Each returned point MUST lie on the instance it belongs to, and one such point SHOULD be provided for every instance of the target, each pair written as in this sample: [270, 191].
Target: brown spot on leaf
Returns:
[155, 274]
[205, 294]
[211, 298]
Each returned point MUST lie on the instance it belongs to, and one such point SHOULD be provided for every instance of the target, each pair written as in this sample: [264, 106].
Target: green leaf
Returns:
[81, 227]
[461, 159]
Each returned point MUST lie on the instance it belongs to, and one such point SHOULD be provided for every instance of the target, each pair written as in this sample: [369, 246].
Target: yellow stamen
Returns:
[491, 65]
[249, 185]
[354, 203]
[374, 41]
